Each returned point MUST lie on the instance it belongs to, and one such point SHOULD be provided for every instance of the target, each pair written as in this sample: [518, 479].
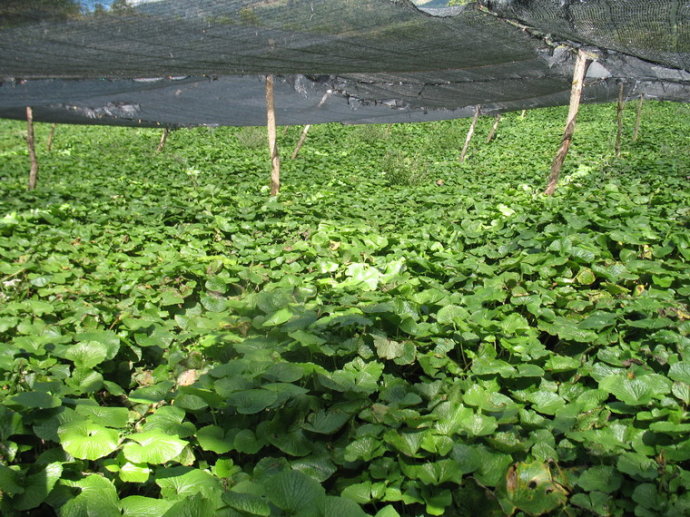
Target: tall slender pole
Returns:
[619, 118]
[33, 172]
[164, 138]
[638, 119]
[51, 136]
[494, 128]
[300, 142]
[575, 97]
[272, 141]
[470, 132]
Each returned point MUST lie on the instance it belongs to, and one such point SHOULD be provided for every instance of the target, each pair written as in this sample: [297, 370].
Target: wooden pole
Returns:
[30, 141]
[494, 128]
[638, 119]
[51, 136]
[619, 118]
[575, 97]
[164, 138]
[470, 132]
[300, 143]
[272, 141]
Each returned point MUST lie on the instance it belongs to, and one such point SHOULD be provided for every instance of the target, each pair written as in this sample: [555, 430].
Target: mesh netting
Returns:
[353, 61]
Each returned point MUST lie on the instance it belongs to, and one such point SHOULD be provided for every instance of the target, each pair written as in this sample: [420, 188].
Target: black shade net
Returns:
[203, 62]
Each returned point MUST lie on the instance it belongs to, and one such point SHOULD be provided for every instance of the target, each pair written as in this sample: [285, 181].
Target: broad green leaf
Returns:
[531, 488]
[35, 399]
[514, 323]
[326, 422]
[116, 417]
[359, 493]
[407, 443]
[387, 511]
[598, 503]
[560, 363]
[169, 420]
[452, 315]
[152, 447]
[341, 507]
[680, 371]
[97, 496]
[184, 482]
[585, 277]
[10, 481]
[87, 354]
[601, 478]
[247, 503]
[438, 472]
[213, 438]
[106, 337]
[318, 467]
[250, 402]
[638, 466]
[278, 318]
[295, 493]
[546, 402]
[86, 440]
[193, 506]
[637, 391]
[387, 348]
[133, 473]
[37, 487]
[366, 449]
[140, 506]
[598, 320]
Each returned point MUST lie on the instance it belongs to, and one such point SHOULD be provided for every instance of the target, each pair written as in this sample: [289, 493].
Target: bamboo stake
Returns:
[51, 136]
[164, 138]
[523, 113]
[300, 142]
[494, 128]
[575, 97]
[470, 132]
[619, 119]
[638, 119]
[272, 144]
[33, 172]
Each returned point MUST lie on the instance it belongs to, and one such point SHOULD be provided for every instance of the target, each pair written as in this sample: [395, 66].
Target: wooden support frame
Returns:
[31, 144]
[579, 72]
[470, 132]
[300, 142]
[272, 140]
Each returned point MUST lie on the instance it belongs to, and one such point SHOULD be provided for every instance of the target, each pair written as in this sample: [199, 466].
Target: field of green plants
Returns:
[396, 334]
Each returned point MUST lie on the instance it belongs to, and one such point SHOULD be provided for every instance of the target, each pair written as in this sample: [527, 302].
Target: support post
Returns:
[272, 141]
[619, 118]
[638, 119]
[51, 137]
[164, 138]
[470, 132]
[300, 142]
[494, 128]
[30, 141]
[575, 97]
[522, 114]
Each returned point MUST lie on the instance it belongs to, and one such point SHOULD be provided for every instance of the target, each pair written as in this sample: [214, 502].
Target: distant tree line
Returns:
[22, 12]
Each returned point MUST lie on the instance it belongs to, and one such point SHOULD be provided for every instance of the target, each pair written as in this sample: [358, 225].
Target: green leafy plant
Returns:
[186, 346]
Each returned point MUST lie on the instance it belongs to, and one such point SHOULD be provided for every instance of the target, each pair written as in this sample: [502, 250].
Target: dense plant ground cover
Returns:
[373, 341]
